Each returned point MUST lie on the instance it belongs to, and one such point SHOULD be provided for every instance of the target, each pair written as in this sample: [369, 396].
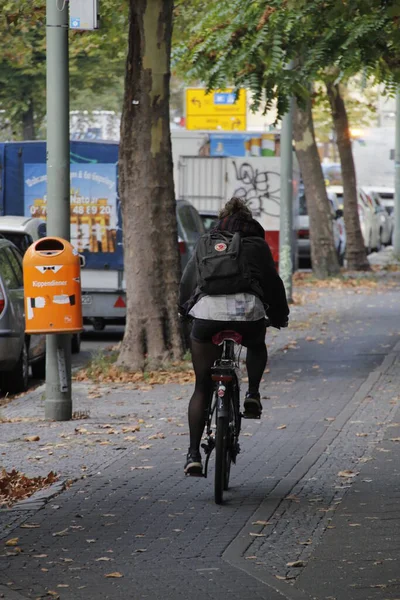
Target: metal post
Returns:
[286, 240]
[396, 235]
[58, 404]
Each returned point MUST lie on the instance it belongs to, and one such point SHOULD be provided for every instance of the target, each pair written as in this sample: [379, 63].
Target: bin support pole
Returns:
[58, 404]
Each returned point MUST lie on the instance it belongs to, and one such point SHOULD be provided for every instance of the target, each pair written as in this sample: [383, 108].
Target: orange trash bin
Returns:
[52, 287]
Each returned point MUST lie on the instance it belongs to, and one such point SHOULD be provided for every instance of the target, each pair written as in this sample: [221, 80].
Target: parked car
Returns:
[209, 218]
[22, 232]
[17, 350]
[190, 228]
[303, 230]
[370, 217]
[383, 199]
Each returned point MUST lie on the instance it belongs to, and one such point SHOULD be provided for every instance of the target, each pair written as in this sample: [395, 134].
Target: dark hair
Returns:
[236, 206]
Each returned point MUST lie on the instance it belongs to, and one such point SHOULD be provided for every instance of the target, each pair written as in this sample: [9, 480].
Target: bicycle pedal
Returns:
[195, 474]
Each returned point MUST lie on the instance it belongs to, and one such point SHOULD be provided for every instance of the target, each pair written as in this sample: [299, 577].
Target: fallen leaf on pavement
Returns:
[281, 427]
[115, 575]
[131, 429]
[145, 447]
[103, 558]
[396, 439]
[157, 436]
[30, 526]
[141, 468]
[61, 533]
[361, 434]
[296, 564]
[130, 438]
[261, 523]
[257, 534]
[12, 542]
[348, 473]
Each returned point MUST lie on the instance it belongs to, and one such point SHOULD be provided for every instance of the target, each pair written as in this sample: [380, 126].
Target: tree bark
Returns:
[355, 246]
[28, 123]
[323, 254]
[147, 193]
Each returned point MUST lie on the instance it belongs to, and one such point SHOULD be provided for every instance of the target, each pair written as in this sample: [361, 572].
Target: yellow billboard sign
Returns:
[217, 123]
[219, 109]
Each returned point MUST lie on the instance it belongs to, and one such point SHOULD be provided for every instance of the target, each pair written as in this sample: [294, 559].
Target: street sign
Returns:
[219, 109]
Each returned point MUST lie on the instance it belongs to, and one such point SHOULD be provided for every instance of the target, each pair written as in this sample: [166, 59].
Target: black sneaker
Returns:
[252, 406]
[193, 465]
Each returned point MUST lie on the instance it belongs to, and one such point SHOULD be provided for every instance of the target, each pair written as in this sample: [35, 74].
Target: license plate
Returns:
[86, 299]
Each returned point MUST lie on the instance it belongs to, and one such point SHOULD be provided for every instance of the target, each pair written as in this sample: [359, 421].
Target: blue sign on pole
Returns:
[224, 98]
[75, 23]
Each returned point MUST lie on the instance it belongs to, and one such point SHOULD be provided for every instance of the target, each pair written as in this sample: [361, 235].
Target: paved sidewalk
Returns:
[331, 397]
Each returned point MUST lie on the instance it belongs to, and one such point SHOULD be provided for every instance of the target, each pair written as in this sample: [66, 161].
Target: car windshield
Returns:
[209, 221]
[21, 240]
[191, 223]
[303, 206]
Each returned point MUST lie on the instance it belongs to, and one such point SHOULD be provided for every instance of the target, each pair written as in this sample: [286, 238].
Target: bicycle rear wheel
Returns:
[222, 459]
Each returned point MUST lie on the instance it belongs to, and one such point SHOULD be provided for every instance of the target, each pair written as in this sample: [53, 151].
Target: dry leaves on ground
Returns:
[179, 372]
[15, 486]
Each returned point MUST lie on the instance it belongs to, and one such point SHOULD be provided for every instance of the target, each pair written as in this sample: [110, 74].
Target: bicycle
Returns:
[224, 407]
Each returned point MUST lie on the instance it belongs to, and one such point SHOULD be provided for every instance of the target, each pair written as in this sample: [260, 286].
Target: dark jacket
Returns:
[262, 268]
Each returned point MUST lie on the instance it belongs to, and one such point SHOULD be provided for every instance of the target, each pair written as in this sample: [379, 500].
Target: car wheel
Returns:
[39, 369]
[76, 343]
[16, 380]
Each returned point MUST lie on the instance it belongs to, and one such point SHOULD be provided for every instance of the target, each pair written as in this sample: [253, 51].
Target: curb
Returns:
[38, 499]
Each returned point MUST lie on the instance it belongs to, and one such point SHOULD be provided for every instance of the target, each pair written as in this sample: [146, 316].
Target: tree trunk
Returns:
[147, 194]
[323, 254]
[28, 123]
[355, 246]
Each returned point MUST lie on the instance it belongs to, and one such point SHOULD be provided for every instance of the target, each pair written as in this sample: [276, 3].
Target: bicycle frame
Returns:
[225, 399]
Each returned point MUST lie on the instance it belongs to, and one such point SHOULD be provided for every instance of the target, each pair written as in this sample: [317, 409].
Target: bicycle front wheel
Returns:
[222, 458]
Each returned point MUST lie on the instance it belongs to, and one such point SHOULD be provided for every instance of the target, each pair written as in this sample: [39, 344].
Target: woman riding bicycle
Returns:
[244, 312]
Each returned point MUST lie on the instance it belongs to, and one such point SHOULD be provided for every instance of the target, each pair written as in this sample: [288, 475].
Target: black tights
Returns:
[204, 354]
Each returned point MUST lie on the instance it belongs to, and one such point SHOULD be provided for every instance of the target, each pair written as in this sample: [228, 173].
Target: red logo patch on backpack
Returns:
[220, 247]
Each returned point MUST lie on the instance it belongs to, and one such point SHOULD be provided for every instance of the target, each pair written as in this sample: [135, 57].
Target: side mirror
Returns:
[82, 261]
[339, 213]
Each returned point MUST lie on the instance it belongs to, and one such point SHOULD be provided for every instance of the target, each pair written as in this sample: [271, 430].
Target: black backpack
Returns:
[221, 265]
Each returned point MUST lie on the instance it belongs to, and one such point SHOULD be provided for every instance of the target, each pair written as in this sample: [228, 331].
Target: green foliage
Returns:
[249, 43]
[97, 61]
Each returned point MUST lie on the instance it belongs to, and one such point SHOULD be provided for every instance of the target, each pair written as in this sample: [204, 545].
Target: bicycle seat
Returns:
[219, 338]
